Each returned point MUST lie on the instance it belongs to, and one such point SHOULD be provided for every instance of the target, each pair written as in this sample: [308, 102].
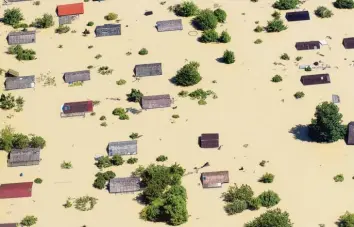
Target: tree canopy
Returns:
[188, 75]
[186, 9]
[286, 4]
[271, 218]
[344, 4]
[205, 20]
[13, 16]
[45, 21]
[346, 220]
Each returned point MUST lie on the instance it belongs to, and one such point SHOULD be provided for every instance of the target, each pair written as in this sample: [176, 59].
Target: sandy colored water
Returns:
[249, 111]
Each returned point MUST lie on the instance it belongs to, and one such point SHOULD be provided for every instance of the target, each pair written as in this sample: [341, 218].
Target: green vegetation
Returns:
[121, 113]
[8, 102]
[299, 95]
[338, 178]
[276, 15]
[327, 126]
[298, 58]
[38, 181]
[275, 25]
[143, 51]
[104, 124]
[175, 116]
[161, 158]
[344, 4]
[102, 178]
[200, 94]
[183, 94]
[103, 118]
[106, 161]
[224, 37]
[90, 23]
[286, 4]
[46, 21]
[267, 178]
[258, 41]
[188, 75]
[134, 136]
[209, 36]
[105, 70]
[135, 95]
[277, 79]
[132, 160]
[121, 82]
[111, 16]
[186, 9]
[205, 20]
[66, 165]
[98, 56]
[22, 54]
[271, 218]
[346, 220]
[259, 29]
[269, 198]
[76, 84]
[285, 56]
[220, 15]
[85, 203]
[12, 16]
[323, 12]
[228, 57]
[68, 203]
[29, 220]
[62, 29]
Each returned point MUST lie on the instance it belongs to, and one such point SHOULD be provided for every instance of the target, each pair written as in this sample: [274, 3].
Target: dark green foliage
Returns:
[138, 171]
[254, 204]
[6, 138]
[220, 15]
[205, 20]
[132, 161]
[62, 29]
[346, 220]
[121, 113]
[275, 25]
[277, 79]
[37, 142]
[299, 95]
[99, 183]
[323, 12]
[135, 95]
[106, 175]
[111, 16]
[29, 220]
[259, 29]
[267, 178]
[22, 54]
[103, 162]
[258, 41]
[20, 141]
[186, 9]
[224, 37]
[234, 193]
[344, 4]
[285, 56]
[175, 209]
[176, 190]
[338, 178]
[209, 36]
[143, 51]
[45, 22]
[271, 218]
[90, 23]
[327, 125]
[276, 15]
[117, 160]
[7, 101]
[269, 198]
[228, 57]
[161, 158]
[235, 207]
[38, 181]
[134, 136]
[24, 26]
[188, 75]
[286, 4]
[12, 16]
[298, 58]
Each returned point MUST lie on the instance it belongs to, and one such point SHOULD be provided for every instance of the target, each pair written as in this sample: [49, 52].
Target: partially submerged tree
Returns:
[286, 4]
[269, 198]
[205, 20]
[224, 37]
[271, 218]
[29, 220]
[346, 220]
[228, 57]
[220, 15]
[209, 36]
[188, 75]
[135, 95]
[344, 4]
[12, 16]
[186, 9]
[275, 25]
[323, 12]
[45, 21]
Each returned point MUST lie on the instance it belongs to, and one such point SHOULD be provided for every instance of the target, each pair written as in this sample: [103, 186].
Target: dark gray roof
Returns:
[169, 25]
[15, 38]
[155, 101]
[71, 77]
[21, 82]
[153, 69]
[350, 139]
[125, 184]
[65, 19]
[108, 30]
[9, 225]
[123, 148]
[24, 155]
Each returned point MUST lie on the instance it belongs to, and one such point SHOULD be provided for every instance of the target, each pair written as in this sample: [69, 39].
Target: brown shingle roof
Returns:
[214, 179]
[155, 101]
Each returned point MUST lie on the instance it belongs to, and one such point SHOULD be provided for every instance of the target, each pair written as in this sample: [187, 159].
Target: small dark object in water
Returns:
[126, 26]
[241, 168]
[219, 148]
[175, 107]
[316, 63]
[148, 13]
[205, 165]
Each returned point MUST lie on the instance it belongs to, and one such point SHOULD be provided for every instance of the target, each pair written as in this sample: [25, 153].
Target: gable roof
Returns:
[169, 25]
[9, 225]
[70, 77]
[24, 155]
[297, 16]
[155, 101]
[23, 37]
[154, 69]
[350, 134]
[108, 30]
[214, 179]
[77, 107]
[16, 190]
[21, 82]
[123, 148]
[70, 9]
[125, 184]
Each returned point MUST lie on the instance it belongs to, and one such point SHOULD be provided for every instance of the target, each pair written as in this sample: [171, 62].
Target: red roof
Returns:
[70, 9]
[16, 190]
[77, 107]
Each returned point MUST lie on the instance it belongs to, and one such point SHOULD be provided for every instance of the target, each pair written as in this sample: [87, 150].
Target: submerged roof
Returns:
[297, 16]
[16, 190]
[155, 101]
[21, 82]
[24, 155]
[125, 184]
[169, 25]
[350, 139]
[153, 69]
[70, 9]
[77, 107]
[71, 77]
[108, 30]
[309, 45]
[315, 79]
[214, 179]
[123, 148]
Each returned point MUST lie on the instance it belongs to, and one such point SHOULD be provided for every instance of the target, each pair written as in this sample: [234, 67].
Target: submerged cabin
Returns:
[169, 25]
[70, 9]
[155, 101]
[71, 77]
[16, 190]
[21, 82]
[123, 148]
[209, 140]
[77, 107]
[297, 16]
[315, 79]
[350, 133]
[214, 179]
[16, 38]
[9, 225]
[348, 43]
[24, 157]
[124, 185]
[108, 30]
[154, 69]
[310, 45]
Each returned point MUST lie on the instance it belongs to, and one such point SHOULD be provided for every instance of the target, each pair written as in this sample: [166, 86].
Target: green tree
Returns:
[117, 160]
[344, 4]
[275, 25]
[286, 4]
[224, 37]
[220, 15]
[188, 75]
[99, 182]
[346, 220]
[271, 218]
[235, 207]
[20, 141]
[135, 95]
[228, 57]
[205, 20]
[153, 211]
[234, 193]
[121, 113]
[103, 162]
[254, 204]
[209, 36]
[186, 9]
[269, 198]
[37, 142]
[7, 135]
[106, 175]
[46, 21]
[267, 178]
[175, 209]
[323, 12]
[138, 171]
[7, 101]
[12, 16]
[29, 220]
[327, 125]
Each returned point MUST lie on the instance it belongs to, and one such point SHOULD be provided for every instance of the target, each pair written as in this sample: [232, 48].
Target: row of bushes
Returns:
[8, 102]
[292, 4]
[210, 36]
[22, 54]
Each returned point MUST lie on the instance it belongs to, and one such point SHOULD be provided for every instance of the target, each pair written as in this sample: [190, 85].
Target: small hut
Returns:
[108, 30]
[124, 185]
[16, 190]
[315, 79]
[12, 73]
[209, 140]
[310, 45]
[24, 37]
[348, 43]
[214, 179]
[70, 9]
[9, 225]
[24, 157]
[123, 148]
[21, 82]
[169, 25]
[297, 16]
[156, 101]
[71, 77]
[154, 69]
[77, 107]
[350, 133]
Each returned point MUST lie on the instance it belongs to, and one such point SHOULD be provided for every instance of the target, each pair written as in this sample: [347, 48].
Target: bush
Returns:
[103, 162]
[235, 207]
[175, 116]
[138, 171]
[271, 218]
[269, 198]
[103, 118]
[105, 70]
[308, 69]
[132, 161]
[90, 23]
[276, 15]
[258, 41]
[298, 58]
[134, 136]
[323, 12]
[29, 220]
[209, 36]
[121, 82]
[108, 175]
[7, 102]
[267, 178]
[276, 25]
[111, 16]
[188, 75]
[117, 160]
[299, 95]
[12, 16]
[277, 79]
[121, 113]
[22, 54]
[220, 15]
[286, 4]
[38, 181]
[327, 126]
[161, 158]
[62, 29]
[46, 21]
[205, 20]
[20, 141]
[36, 3]
[66, 165]
[254, 204]
[262, 163]
[99, 183]
[224, 37]
[98, 56]
[104, 124]
[68, 203]
[85, 203]
[143, 51]
[259, 29]
[37, 142]
[228, 57]
[135, 95]
[285, 56]
[338, 178]
[346, 220]
[344, 4]
[234, 193]
[186, 9]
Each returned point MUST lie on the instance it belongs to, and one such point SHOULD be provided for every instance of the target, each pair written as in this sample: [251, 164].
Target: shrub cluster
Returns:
[209, 36]
[105, 70]
[13, 16]
[346, 220]
[106, 161]
[186, 9]
[135, 95]
[299, 95]
[132, 160]
[199, 94]
[29, 220]
[276, 25]
[111, 16]
[8, 102]
[338, 178]
[228, 57]
[277, 79]
[286, 4]
[62, 29]
[208, 19]
[46, 21]
[188, 75]
[323, 12]
[267, 178]
[121, 113]
[161, 158]
[143, 51]
[271, 218]
[66, 165]
[38, 181]
[102, 178]
[344, 4]
[22, 54]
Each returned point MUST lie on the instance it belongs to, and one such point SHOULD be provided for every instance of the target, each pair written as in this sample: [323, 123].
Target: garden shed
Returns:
[156, 101]
[108, 30]
[24, 37]
[123, 148]
[16, 190]
[154, 69]
[71, 77]
[209, 140]
[297, 16]
[77, 107]
[169, 25]
[124, 185]
[214, 179]
[70, 9]
[12, 73]
[348, 43]
[24, 157]
[315, 79]
[9, 225]
[310, 45]
[21, 82]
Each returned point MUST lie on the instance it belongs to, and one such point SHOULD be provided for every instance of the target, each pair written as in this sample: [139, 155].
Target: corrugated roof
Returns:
[297, 16]
[169, 25]
[350, 139]
[24, 155]
[9, 225]
[70, 9]
[21, 82]
[77, 107]
[155, 101]
[214, 179]
[16, 190]
[125, 184]
[123, 148]
[315, 79]
[153, 69]
[71, 77]
[108, 30]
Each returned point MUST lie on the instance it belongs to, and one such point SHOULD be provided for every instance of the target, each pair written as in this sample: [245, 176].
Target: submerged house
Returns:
[315, 79]
[77, 107]
[74, 9]
[209, 140]
[169, 25]
[297, 16]
[71, 77]
[348, 43]
[350, 133]
[24, 157]
[108, 30]
[310, 45]
[155, 101]
[66, 19]
[123, 148]
[214, 179]
[154, 69]
[124, 185]
[24, 37]
[16, 190]
[9, 225]
[21, 82]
